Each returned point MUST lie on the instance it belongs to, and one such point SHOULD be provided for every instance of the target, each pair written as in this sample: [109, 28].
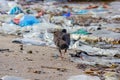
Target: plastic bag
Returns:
[81, 31]
[82, 12]
[67, 14]
[28, 20]
[15, 10]
[84, 77]
[4, 5]
[10, 28]
[12, 78]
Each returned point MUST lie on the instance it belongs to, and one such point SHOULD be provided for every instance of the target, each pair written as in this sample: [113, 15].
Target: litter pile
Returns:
[94, 28]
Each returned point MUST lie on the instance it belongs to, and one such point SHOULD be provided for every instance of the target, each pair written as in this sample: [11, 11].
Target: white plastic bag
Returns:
[4, 5]
[84, 77]
[10, 28]
[12, 78]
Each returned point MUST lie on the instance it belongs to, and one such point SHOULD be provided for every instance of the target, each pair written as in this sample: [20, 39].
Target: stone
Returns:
[30, 52]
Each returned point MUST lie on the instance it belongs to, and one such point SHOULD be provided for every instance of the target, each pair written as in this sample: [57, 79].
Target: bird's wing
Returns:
[66, 38]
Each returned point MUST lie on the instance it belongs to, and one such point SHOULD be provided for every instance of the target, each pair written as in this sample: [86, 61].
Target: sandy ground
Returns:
[27, 64]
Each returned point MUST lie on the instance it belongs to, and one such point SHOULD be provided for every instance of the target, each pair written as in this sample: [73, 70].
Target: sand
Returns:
[27, 63]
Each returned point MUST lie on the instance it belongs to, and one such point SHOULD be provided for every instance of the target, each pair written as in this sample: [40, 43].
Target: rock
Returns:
[62, 70]
[28, 59]
[12, 78]
[30, 52]
[21, 47]
[11, 69]
[111, 76]
[84, 77]
[37, 72]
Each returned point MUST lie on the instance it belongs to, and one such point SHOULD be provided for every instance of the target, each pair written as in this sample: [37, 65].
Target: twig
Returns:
[57, 68]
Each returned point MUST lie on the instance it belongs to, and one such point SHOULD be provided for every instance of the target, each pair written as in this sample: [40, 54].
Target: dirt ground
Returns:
[27, 63]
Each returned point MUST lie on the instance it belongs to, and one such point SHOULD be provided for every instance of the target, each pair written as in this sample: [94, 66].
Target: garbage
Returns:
[81, 32]
[28, 20]
[111, 76]
[92, 60]
[102, 71]
[93, 72]
[17, 18]
[101, 36]
[94, 50]
[108, 36]
[12, 78]
[30, 41]
[113, 27]
[102, 10]
[9, 28]
[12, 4]
[62, 21]
[116, 18]
[82, 12]
[87, 20]
[84, 77]
[16, 21]
[79, 54]
[4, 5]
[117, 55]
[92, 6]
[94, 33]
[15, 10]
[68, 14]
[39, 14]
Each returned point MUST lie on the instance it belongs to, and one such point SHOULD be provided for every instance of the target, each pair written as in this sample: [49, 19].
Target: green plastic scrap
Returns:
[81, 31]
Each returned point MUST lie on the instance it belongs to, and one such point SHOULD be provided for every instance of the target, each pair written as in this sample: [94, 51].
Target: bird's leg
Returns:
[65, 51]
[61, 54]
[81, 57]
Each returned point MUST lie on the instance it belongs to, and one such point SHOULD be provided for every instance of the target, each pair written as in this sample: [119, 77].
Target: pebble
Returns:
[30, 52]
[11, 69]
[37, 72]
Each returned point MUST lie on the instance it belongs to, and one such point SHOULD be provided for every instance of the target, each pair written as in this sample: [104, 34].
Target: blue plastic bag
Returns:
[67, 14]
[15, 10]
[82, 12]
[28, 20]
